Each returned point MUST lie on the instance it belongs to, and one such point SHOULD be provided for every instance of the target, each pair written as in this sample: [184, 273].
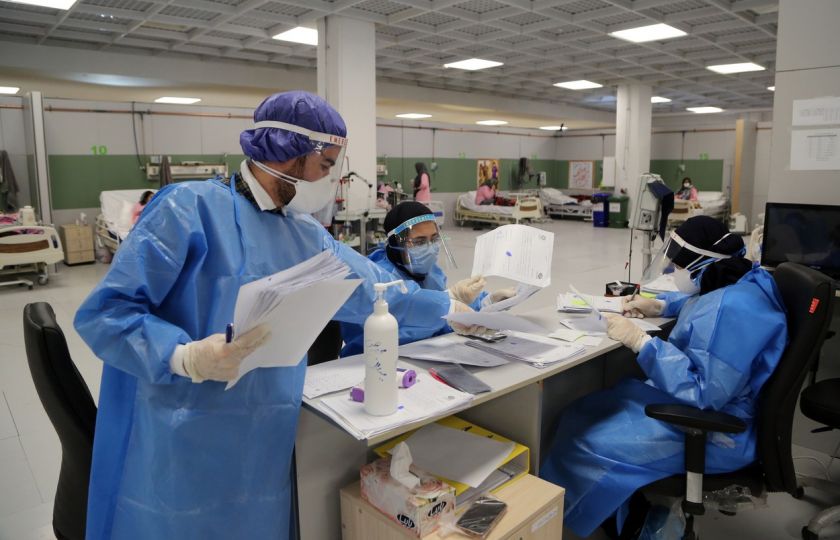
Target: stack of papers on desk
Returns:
[539, 351]
[583, 303]
[296, 304]
[450, 349]
[426, 398]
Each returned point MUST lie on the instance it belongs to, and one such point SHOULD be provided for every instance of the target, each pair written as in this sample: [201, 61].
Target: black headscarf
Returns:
[706, 233]
[421, 169]
[393, 219]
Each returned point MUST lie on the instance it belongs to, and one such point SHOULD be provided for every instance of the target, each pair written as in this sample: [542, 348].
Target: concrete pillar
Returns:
[347, 79]
[632, 139]
[743, 175]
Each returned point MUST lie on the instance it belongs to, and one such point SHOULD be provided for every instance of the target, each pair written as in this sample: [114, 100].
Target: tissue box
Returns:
[419, 510]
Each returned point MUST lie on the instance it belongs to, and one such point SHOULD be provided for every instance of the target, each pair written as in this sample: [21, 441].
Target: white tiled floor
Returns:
[586, 257]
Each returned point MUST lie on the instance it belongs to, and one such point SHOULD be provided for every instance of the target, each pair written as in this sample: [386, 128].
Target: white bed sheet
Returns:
[467, 200]
[116, 208]
[555, 196]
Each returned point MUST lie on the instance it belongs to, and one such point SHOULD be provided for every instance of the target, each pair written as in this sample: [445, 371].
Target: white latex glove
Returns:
[464, 330]
[502, 294]
[467, 290]
[213, 359]
[641, 307]
[620, 329]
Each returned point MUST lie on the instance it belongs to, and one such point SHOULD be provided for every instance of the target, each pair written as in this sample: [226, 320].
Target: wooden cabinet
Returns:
[78, 244]
[535, 512]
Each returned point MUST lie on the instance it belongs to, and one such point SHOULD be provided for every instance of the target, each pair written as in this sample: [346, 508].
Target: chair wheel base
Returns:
[807, 534]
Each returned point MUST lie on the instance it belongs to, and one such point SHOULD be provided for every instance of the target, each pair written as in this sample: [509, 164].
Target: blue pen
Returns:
[229, 333]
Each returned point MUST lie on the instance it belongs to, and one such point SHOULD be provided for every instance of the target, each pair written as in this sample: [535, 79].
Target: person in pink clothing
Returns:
[139, 206]
[688, 191]
[422, 183]
[486, 193]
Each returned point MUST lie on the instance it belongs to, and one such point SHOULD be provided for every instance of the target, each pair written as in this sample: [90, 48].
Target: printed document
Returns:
[516, 252]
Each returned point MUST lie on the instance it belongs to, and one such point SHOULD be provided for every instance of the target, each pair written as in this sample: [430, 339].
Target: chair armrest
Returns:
[690, 417]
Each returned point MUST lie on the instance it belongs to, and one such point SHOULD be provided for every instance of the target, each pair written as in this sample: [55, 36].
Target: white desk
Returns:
[523, 405]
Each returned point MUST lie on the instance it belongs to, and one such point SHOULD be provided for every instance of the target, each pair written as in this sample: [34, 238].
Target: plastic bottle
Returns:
[381, 342]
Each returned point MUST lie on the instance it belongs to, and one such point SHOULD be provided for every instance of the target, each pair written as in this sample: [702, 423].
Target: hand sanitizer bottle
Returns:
[381, 342]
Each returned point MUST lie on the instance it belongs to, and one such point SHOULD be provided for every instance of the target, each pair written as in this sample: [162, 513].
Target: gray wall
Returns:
[807, 66]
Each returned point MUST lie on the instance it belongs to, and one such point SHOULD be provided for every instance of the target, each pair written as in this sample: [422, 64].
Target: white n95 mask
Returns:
[309, 196]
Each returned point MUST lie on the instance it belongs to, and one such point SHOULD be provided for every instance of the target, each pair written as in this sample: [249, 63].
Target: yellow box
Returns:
[517, 464]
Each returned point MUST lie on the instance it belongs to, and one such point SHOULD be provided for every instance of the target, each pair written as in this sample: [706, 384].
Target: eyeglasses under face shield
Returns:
[419, 240]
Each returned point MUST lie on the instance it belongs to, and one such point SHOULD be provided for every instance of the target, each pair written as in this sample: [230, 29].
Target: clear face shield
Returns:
[316, 185]
[419, 242]
[685, 278]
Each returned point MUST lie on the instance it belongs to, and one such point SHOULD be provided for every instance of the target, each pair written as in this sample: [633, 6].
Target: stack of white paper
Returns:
[425, 399]
[539, 351]
[581, 303]
[450, 349]
[296, 304]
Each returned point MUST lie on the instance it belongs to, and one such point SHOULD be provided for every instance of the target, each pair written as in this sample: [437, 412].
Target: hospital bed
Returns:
[714, 204]
[114, 222]
[27, 249]
[527, 207]
[559, 204]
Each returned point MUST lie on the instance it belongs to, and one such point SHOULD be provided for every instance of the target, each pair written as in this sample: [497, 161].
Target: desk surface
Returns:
[502, 379]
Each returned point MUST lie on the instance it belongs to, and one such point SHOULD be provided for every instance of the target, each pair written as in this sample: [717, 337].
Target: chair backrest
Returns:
[71, 409]
[808, 296]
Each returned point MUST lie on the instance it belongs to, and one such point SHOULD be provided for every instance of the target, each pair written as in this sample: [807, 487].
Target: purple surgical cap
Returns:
[297, 108]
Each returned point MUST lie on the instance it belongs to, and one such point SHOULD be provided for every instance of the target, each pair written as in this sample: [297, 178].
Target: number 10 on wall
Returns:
[100, 150]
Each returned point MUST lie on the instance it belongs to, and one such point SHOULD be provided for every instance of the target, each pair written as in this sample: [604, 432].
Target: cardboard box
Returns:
[417, 510]
[77, 241]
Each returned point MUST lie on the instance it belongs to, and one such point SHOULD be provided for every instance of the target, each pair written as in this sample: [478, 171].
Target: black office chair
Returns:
[71, 409]
[808, 296]
[821, 402]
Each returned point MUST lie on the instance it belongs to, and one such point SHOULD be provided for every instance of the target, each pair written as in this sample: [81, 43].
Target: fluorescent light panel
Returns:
[659, 99]
[9, 89]
[554, 128]
[704, 110]
[299, 34]
[727, 69]
[54, 4]
[473, 64]
[178, 100]
[414, 115]
[771, 88]
[578, 85]
[491, 122]
[653, 32]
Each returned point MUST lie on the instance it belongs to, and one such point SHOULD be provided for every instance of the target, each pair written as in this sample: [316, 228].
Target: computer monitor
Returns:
[807, 234]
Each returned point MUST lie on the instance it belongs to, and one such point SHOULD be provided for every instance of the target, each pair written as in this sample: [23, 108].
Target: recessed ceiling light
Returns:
[299, 34]
[771, 88]
[727, 69]
[554, 128]
[414, 115]
[473, 64]
[704, 110]
[653, 32]
[659, 99]
[178, 100]
[491, 122]
[9, 89]
[578, 85]
[55, 4]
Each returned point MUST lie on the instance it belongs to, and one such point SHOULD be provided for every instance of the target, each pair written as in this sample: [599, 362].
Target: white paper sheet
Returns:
[457, 455]
[450, 349]
[426, 398]
[573, 303]
[816, 112]
[815, 150]
[497, 320]
[539, 351]
[590, 325]
[567, 334]
[516, 252]
[333, 376]
[523, 292]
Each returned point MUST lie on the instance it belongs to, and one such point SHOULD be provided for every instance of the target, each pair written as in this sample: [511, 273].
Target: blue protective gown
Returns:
[353, 332]
[173, 459]
[724, 346]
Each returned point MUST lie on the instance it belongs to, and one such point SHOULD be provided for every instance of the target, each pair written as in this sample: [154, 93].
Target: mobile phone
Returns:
[489, 338]
[481, 516]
